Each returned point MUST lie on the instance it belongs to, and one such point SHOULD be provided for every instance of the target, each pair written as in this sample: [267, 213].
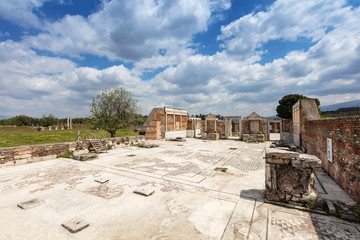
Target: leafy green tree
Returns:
[284, 109]
[49, 120]
[19, 120]
[114, 109]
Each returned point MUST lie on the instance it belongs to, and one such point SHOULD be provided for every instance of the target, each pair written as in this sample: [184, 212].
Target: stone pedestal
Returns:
[213, 136]
[289, 176]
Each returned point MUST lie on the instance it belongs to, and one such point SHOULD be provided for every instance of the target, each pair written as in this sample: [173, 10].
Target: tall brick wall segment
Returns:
[345, 135]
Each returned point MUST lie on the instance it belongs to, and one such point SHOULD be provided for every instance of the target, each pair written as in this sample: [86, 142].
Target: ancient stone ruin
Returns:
[289, 176]
[170, 123]
[256, 128]
[211, 128]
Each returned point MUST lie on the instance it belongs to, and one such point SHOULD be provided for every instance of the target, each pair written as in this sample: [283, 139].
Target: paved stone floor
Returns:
[191, 199]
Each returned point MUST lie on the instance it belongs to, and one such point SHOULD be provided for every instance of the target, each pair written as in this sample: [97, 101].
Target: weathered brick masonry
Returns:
[345, 135]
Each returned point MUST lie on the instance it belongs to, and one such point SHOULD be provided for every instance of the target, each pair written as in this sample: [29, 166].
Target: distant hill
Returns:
[4, 117]
[272, 118]
[335, 107]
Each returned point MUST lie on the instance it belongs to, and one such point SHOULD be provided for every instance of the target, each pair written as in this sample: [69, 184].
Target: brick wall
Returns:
[345, 135]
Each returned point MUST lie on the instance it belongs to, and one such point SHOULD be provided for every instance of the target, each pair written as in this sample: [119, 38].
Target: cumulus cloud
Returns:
[36, 85]
[21, 12]
[129, 30]
[286, 20]
[155, 35]
[23, 72]
[326, 68]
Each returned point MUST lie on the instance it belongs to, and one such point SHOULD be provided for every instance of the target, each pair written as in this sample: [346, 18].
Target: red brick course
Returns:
[345, 135]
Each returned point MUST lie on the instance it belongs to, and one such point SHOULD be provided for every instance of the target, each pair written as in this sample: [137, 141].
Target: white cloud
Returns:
[21, 12]
[23, 72]
[221, 83]
[129, 30]
[286, 20]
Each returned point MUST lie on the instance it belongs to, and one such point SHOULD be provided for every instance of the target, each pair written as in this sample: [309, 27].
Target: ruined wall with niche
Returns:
[255, 128]
[344, 133]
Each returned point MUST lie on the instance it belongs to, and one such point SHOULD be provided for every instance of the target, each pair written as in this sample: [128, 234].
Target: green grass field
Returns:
[19, 136]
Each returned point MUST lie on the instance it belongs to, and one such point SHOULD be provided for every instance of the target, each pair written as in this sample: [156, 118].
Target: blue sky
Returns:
[220, 56]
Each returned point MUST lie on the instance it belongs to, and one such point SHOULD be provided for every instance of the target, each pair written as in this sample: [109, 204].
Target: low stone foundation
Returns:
[289, 176]
[259, 137]
[34, 153]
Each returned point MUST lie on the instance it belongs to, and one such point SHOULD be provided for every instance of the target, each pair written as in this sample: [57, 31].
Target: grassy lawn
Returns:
[19, 136]
[235, 134]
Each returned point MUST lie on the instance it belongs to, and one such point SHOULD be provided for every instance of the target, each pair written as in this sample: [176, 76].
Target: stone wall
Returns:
[345, 137]
[286, 132]
[274, 126]
[35, 153]
[150, 127]
[220, 128]
[235, 127]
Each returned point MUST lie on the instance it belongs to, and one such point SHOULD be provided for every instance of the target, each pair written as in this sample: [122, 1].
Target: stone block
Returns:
[102, 180]
[21, 161]
[331, 207]
[150, 145]
[31, 203]
[85, 156]
[146, 191]
[48, 157]
[75, 224]
[80, 152]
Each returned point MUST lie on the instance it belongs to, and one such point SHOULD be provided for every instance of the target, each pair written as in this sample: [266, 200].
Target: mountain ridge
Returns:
[334, 107]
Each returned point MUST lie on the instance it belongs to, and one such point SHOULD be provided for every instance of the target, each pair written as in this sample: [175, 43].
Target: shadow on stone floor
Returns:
[257, 194]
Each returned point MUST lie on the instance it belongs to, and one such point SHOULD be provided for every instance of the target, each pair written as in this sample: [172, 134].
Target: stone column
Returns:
[180, 121]
[174, 122]
[165, 122]
[240, 128]
[226, 128]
